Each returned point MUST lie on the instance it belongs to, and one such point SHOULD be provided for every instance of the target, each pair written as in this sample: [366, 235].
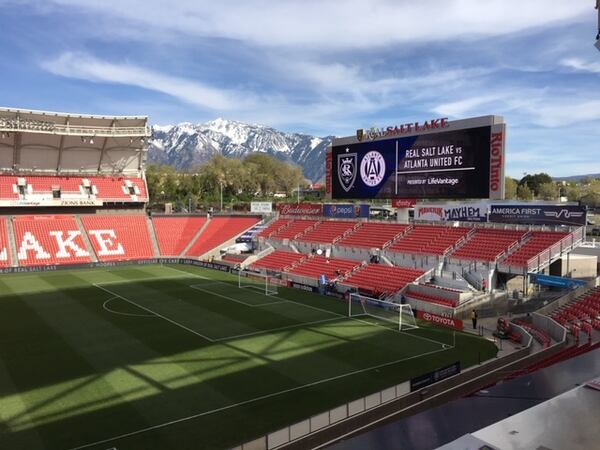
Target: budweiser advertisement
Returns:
[300, 209]
[449, 322]
[462, 159]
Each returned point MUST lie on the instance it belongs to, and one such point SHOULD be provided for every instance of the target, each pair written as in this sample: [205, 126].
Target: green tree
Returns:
[510, 188]
[534, 182]
[548, 191]
[524, 193]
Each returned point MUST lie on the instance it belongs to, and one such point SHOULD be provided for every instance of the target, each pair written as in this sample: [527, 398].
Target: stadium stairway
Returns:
[153, 239]
[194, 238]
[86, 239]
[11, 241]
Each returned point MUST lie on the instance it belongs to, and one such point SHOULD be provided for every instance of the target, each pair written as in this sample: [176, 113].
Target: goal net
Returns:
[402, 315]
[257, 281]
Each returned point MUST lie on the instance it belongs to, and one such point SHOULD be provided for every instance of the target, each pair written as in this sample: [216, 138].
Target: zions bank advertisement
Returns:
[465, 163]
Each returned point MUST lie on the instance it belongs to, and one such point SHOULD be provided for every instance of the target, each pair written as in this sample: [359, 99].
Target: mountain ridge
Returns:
[186, 144]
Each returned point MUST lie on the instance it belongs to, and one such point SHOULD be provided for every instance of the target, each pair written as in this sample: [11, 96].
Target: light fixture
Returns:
[92, 141]
[130, 140]
[84, 140]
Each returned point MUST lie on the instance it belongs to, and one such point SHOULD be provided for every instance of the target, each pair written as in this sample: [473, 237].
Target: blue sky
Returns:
[319, 66]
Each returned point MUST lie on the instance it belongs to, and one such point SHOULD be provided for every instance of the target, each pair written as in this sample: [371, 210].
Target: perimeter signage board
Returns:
[463, 160]
[533, 214]
[300, 209]
[435, 376]
[466, 212]
[261, 207]
[346, 211]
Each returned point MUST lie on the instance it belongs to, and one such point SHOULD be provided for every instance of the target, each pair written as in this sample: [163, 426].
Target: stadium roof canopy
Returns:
[52, 142]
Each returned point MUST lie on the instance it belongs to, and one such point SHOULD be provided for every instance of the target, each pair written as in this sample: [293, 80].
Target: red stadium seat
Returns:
[219, 230]
[429, 239]
[376, 279]
[373, 235]
[174, 233]
[43, 240]
[119, 237]
[277, 260]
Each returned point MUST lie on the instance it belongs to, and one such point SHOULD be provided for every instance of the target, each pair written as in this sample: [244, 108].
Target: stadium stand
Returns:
[538, 334]
[219, 230]
[119, 237]
[537, 243]
[297, 227]
[8, 187]
[429, 239]
[583, 312]
[377, 279]
[5, 257]
[277, 260]
[42, 240]
[429, 298]
[105, 188]
[373, 235]
[315, 266]
[174, 233]
[328, 231]
[487, 244]
[275, 226]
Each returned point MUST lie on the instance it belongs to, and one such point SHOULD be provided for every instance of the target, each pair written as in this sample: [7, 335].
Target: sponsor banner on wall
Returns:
[449, 322]
[346, 211]
[404, 202]
[539, 214]
[466, 212]
[300, 209]
[261, 207]
[339, 210]
[460, 163]
[435, 376]
[51, 202]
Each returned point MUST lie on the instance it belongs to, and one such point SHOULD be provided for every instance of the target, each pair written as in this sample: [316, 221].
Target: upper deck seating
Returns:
[487, 244]
[539, 241]
[327, 231]
[429, 239]
[373, 235]
[296, 227]
[377, 279]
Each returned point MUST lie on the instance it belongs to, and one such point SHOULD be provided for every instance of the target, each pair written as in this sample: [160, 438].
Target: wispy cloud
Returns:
[336, 24]
[86, 67]
[581, 65]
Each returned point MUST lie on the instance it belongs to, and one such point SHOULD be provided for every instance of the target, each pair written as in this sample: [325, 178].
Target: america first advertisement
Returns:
[464, 163]
[571, 215]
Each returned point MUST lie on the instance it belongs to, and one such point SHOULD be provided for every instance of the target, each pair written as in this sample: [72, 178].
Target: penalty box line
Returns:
[252, 400]
[441, 344]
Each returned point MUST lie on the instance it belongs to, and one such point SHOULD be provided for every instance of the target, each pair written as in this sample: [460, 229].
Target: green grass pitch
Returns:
[157, 357]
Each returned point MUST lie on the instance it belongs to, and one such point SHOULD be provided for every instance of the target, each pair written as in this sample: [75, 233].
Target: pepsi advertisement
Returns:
[346, 211]
[449, 164]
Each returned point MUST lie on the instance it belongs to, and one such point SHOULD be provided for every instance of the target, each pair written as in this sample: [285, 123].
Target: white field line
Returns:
[142, 279]
[155, 313]
[443, 345]
[288, 327]
[104, 305]
[226, 297]
[245, 402]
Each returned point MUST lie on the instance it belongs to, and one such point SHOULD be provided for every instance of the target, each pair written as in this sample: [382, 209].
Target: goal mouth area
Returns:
[399, 314]
[265, 284]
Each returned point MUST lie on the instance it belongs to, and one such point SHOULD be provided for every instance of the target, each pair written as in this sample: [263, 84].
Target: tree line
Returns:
[257, 176]
[541, 186]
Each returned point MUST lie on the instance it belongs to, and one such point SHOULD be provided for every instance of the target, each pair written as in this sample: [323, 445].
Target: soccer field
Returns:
[165, 357]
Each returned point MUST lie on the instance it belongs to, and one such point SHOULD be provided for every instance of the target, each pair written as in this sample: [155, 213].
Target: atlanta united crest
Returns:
[372, 168]
[347, 170]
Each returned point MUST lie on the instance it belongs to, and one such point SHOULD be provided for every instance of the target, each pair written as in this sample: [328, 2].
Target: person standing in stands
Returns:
[474, 319]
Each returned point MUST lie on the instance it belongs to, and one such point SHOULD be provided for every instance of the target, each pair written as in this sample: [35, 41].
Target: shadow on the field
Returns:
[86, 375]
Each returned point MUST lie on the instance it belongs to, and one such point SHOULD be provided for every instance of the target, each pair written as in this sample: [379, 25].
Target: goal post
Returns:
[256, 281]
[396, 313]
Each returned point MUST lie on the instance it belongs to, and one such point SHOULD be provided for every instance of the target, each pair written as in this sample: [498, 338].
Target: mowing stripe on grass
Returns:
[226, 297]
[252, 400]
[154, 312]
[255, 333]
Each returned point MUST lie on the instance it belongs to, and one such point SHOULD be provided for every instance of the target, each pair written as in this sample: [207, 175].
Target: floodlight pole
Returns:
[221, 195]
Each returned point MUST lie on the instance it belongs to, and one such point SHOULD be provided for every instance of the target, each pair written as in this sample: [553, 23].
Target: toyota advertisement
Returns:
[571, 215]
[464, 163]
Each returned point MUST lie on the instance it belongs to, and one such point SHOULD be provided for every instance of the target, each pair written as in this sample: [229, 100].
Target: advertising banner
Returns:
[339, 210]
[300, 209]
[435, 376]
[464, 163]
[404, 202]
[51, 202]
[466, 212]
[261, 207]
[533, 214]
[449, 322]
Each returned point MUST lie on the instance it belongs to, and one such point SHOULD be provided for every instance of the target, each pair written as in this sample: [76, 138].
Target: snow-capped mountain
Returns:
[186, 144]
